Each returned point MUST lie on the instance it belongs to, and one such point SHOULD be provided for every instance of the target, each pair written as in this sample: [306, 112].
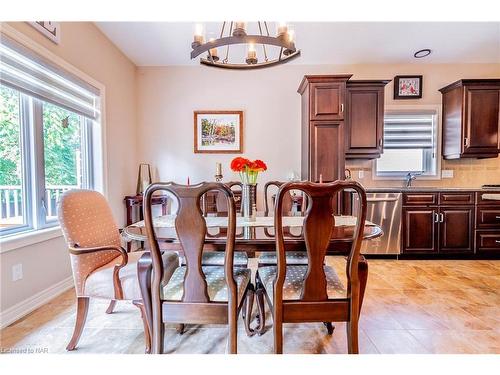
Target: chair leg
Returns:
[261, 316]
[329, 327]
[247, 308]
[147, 331]
[180, 329]
[278, 335]
[82, 309]
[352, 337]
[111, 306]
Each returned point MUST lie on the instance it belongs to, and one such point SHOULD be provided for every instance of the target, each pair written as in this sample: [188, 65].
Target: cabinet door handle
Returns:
[497, 217]
[436, 217]
[442, 217]
[381, 142]
[466, 142]
[497, 241]
[342, 107]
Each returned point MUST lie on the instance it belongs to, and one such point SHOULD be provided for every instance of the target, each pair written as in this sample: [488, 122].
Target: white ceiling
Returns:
[169, 43]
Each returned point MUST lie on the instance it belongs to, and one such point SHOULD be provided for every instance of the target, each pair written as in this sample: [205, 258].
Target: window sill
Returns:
[18, 240]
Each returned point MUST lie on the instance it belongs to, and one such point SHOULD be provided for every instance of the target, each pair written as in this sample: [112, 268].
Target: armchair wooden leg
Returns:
[111, 306]
[82, 309]
[147, 331]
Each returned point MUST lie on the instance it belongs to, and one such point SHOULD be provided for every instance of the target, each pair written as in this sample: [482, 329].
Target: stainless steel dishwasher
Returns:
[383, 209]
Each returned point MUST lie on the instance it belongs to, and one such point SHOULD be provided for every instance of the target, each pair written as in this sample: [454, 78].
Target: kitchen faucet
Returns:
[410, 177]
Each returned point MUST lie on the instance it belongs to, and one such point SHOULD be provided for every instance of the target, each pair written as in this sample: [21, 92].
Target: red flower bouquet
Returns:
[248, 170]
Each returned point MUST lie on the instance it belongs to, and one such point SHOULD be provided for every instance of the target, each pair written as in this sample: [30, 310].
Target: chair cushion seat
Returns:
[292, 257]
[216, 258]
[214, 276]
[100, 282]
[294, 281]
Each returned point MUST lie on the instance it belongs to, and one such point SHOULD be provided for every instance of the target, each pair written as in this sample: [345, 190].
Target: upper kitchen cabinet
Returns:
[326, 96]
[323, 104]
[364, 133]
[471, 119]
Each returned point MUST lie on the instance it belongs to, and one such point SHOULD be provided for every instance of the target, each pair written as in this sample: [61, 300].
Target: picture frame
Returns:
[218, 132]
[408, 87]
[51, 29]
[143, 178]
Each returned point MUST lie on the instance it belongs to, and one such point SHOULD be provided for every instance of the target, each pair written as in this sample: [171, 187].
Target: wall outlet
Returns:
[447, 173]
[17, 272]
[361, 173]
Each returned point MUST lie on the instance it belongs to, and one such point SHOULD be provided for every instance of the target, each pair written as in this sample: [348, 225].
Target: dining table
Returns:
[252, 235]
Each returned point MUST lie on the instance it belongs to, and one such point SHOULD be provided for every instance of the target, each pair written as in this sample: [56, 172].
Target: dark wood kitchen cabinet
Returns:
[487, 222]
[322, 138]
[471, 119]
[364, 119]
[420, 232]
[438, 223]
[456, 229]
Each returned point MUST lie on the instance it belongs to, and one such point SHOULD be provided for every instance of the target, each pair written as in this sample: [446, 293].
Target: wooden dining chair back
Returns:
[195, 294]
[220, 200]
[313, 292]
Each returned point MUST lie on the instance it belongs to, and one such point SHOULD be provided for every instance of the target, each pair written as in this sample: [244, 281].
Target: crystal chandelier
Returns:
[233, 33]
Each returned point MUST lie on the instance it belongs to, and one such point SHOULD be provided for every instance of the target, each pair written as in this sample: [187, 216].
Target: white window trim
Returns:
[100, 175]
[414, 107]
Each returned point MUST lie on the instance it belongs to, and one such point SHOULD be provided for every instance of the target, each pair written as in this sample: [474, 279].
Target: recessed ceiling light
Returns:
[422, 53]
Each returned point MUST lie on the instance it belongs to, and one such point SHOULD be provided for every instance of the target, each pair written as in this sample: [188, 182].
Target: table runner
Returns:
[168, 221]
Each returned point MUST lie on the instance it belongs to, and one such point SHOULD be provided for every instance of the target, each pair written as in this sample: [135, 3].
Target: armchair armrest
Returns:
[77, 250]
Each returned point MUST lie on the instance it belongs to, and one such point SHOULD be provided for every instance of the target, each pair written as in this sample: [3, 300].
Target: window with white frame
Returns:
[410, 144]
[47, 117]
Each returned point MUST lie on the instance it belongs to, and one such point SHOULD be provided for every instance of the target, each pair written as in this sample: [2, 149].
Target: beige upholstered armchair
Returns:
[101, 267]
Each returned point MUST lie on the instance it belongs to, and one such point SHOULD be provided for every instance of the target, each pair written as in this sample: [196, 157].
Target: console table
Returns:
[132, 201]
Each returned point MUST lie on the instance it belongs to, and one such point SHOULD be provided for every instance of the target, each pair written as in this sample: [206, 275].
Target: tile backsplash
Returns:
[466, 173]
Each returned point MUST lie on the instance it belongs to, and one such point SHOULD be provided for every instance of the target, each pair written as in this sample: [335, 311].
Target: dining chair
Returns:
[269, 258]
[215, 258]
[195, 294]
[314, 292]
[101, 267]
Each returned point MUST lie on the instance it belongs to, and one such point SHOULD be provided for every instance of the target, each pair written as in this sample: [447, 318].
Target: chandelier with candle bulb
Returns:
[263, 50]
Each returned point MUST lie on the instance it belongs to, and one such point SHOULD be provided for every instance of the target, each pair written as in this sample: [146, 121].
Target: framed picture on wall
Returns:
[407, 87]
[218, 132]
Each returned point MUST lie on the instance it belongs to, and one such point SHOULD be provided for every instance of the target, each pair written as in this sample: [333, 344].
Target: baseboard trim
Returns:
[23, 308]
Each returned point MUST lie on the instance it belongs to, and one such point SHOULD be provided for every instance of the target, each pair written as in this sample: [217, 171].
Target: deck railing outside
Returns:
[11, 203]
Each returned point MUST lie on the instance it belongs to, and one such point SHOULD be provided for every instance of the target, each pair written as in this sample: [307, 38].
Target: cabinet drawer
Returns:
[484, 198]
[456, 199]
[487, 241]
[488, 217]
[419, 199]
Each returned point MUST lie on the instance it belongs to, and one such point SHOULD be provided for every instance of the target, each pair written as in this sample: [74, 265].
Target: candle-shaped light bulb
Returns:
[198, 35]
[218, 169]
[198, 29]
[282, 29]
[239, 28]
[251, 54]
[213, 51]
[291, 36]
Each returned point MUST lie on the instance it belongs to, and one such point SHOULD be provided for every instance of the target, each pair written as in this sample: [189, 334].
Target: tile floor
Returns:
[431, 306]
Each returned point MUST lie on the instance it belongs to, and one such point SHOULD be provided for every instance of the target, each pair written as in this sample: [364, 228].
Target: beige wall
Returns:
[85, 47]
[167, 97]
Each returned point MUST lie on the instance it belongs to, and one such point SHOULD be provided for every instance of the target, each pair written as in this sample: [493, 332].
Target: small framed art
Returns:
[218, 132]
[407, 87]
